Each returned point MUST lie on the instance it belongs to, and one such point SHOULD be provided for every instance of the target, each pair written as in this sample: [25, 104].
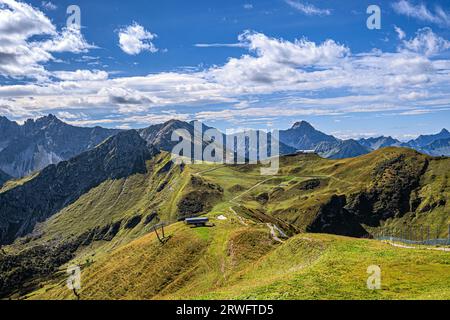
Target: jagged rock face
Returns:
[59, 185]
[302, 136]
[37, 144]
[160, 135]
[8, 130]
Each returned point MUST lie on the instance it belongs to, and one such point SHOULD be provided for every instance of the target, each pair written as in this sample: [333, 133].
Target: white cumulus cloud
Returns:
[427, 42]
[274, 78]
[81, 75]
[134, 39]
[21, 55]
[69, 39]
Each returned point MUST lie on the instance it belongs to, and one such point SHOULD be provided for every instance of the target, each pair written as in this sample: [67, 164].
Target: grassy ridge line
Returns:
[136, 195]
[235, 262]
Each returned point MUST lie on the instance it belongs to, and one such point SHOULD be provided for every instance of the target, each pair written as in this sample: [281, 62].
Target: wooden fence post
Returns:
[448, 237]
[156, 231]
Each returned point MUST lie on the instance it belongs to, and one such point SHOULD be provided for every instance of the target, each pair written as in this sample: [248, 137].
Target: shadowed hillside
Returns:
[57, 186]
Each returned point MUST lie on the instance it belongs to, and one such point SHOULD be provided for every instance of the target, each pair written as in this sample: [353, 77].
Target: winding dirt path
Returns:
[241, 220]
[416, 248]
[247, 191]
[273, 233]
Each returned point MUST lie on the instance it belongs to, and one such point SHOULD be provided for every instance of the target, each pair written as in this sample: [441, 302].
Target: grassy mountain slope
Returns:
[390, 184]
[433, 197]
[107, 216]
[232, 261]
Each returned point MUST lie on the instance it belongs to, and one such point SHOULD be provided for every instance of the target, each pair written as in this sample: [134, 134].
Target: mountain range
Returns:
[303, 136]
[30, 147]
[379, 142]
[160, 135]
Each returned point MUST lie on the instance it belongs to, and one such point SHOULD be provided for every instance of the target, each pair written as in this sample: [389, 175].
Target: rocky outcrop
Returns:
[390, 196]
[133, 222]
[60, 185]
[334, 218]
[200, 198]
[391, 193]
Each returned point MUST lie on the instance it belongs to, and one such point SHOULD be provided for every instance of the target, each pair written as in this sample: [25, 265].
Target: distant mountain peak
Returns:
[38, 143]
[4, 121]
[43, 122]
[302, 124]
[303, 136]
[173, 121]
[50, 118]
[425, 140]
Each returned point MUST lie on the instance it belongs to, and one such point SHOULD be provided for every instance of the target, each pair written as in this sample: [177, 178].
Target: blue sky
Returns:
[231, 64]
